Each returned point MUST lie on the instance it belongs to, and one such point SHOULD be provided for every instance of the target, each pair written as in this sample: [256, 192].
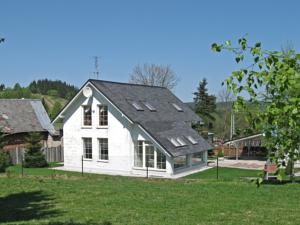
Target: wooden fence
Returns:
[54, 154]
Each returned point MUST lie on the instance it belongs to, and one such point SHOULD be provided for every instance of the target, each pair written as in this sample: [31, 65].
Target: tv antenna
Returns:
[96, 73]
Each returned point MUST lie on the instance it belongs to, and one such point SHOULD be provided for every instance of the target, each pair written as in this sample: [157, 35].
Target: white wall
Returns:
[120, 133]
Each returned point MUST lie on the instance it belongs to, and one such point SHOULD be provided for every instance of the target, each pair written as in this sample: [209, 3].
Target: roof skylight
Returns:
[192, 140]
[137, 106]
[177, 107]
[181, 141]
[175, 142]
[149, 106]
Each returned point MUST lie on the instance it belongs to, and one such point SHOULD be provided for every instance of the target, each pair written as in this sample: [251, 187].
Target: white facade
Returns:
[122, 136]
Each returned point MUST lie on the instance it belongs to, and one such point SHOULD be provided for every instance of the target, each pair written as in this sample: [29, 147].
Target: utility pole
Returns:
[232, 125]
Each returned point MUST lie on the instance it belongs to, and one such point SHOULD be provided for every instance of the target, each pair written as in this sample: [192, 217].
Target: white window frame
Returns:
[144, 144]
[82, 116]
[99, 151]
[99, 125]
[83, 149]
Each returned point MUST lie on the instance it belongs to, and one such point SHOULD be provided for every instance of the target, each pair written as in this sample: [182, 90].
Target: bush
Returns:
[33, 155]
[35, 161]
[4, 160]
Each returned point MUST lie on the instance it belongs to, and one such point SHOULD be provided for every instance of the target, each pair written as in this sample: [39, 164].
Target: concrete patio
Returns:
[241, 163]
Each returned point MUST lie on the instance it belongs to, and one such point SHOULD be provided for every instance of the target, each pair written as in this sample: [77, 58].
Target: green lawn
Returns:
[42, 198]
[225, 174]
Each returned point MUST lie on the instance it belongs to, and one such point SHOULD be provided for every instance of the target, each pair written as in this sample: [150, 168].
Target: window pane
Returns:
[138, 154]
[103, 148]
[87, 148]
[197, 158]
[103, 115]
[160, 160]
[150, 156]
[180, 162]
[87, 115]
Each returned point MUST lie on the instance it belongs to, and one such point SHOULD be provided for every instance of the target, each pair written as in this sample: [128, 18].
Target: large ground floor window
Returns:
[87, 148]
[146, 155]
[180, 162]
[197, 158]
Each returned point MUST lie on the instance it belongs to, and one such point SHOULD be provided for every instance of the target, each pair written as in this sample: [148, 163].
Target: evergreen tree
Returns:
[33, 155]
[45, 106]
[205, 104]
[33, 87]
[55, 110]
[2, 87]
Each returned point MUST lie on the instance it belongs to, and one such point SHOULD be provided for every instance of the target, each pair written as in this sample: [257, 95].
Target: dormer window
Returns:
[137, 106]
[150, 107]
[87, 115]
[177, 107]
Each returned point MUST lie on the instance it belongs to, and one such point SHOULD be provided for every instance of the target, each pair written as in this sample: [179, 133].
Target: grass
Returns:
[17, 170]
[41, 198]
[225, 174]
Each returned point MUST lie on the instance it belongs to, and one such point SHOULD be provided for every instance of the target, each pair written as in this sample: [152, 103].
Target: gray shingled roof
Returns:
[164, 123]
[25, 115]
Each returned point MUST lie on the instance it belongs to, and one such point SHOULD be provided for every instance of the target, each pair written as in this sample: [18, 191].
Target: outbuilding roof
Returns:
[25, 115]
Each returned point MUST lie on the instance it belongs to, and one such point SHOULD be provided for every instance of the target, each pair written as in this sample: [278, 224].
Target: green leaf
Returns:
[295, 111]
[216, 48]
[257, 45]
[228, 43]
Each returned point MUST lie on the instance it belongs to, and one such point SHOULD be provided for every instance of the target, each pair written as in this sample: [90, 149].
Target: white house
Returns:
[130, 129]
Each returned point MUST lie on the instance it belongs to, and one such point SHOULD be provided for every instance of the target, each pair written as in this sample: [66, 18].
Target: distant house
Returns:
[129, 129]
[19, 117]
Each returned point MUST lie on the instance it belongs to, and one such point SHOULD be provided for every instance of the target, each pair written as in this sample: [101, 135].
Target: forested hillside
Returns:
[54, 94]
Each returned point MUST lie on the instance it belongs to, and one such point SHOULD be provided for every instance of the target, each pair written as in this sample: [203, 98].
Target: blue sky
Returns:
[58, 39]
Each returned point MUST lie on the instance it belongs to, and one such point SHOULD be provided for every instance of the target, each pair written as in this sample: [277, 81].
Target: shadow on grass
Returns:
[278, 182]
[26, 206]
[71, 222]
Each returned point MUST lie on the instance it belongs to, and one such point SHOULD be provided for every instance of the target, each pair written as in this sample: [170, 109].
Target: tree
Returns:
[205, 104]
[2, 87]
[55, 110]
[154, 75]
[45, 105]
[223, 121]
[33, 156]
[276, 75]
[2, 39]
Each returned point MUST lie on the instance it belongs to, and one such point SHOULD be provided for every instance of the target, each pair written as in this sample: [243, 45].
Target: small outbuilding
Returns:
[19, 117]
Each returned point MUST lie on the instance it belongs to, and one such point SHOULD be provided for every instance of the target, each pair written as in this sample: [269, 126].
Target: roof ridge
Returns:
[124, 83]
